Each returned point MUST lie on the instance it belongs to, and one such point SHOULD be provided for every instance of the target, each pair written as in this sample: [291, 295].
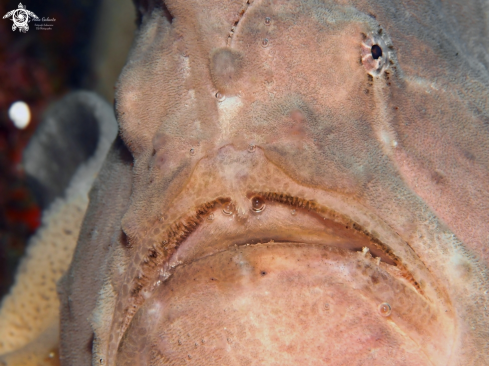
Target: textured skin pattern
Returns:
[220, 101]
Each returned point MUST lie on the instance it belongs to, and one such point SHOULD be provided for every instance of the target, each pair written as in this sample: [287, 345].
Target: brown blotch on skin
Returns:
[438, 176]
[226, 66]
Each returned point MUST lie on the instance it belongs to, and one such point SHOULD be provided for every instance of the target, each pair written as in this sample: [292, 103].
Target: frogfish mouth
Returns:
[266, 261]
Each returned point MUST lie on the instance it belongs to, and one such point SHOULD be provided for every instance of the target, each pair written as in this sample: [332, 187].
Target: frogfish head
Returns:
[293, 184]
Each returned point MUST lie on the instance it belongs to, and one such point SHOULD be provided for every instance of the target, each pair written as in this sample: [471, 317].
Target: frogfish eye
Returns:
[376, 51]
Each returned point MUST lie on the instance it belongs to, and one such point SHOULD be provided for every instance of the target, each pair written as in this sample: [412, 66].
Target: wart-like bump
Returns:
[226, 66]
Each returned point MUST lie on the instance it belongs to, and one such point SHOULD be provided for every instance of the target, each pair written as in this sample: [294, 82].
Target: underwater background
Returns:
[85, 47]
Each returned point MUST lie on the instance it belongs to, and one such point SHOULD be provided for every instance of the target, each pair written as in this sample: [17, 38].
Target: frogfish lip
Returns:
[280, 218]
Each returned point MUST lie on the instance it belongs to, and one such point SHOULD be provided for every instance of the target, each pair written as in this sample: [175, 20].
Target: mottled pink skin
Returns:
[402, 151]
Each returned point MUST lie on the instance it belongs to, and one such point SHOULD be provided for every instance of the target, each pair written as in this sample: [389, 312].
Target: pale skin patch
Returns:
[229, 109]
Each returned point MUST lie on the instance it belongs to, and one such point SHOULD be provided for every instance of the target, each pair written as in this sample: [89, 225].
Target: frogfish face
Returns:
[286, 200]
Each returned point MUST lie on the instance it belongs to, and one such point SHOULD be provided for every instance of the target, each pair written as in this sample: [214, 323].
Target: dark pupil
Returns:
[376, 51]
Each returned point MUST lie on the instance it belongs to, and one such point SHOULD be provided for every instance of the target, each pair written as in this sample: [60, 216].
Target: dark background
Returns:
[39, 67]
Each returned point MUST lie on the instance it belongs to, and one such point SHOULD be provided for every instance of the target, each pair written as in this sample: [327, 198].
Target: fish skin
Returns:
[97, 244]
[409, 145]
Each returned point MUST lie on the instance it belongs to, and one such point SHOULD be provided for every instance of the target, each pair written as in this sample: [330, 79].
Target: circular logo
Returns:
[21, 17]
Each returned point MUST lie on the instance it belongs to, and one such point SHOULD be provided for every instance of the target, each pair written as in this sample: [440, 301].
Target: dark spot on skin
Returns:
[366, 91]
[376, 51]
[153, 253]
[375, 280]
[124, 240]
[158, 160]
[364, 36]
[137, 288]
[263, 273]
[372, 15]
[468, 155]
[456, 54]
[380, 31]
[370, 78]
[438, 176]
[327, 131]
[213, 279]
[90, 343]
